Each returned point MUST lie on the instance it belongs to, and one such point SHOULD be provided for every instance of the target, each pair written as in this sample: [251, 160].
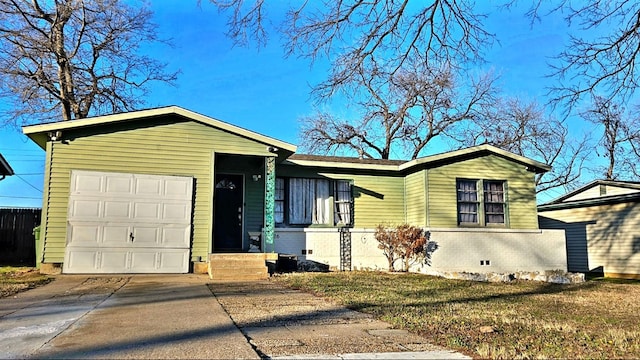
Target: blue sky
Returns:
[260, 90]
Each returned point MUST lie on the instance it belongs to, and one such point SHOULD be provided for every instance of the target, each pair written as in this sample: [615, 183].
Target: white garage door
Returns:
[128, 223]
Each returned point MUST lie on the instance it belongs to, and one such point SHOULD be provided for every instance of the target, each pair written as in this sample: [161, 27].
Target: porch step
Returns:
[238, 266]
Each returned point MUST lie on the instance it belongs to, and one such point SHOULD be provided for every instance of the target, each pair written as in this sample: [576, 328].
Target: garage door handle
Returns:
[131, 236]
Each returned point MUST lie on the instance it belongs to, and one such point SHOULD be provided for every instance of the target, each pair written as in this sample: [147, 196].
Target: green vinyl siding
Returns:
[521, 194]
[377, 198]
[161, 146]
[415, 195]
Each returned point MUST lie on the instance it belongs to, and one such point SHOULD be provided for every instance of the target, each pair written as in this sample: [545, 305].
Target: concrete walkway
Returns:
[288, 324]
[178, 316]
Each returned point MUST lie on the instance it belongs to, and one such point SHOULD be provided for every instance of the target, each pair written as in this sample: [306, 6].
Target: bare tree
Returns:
[69, 59]
[620, 136]
[603, 58]
[410, 107]
[358, 33]
[523, 128]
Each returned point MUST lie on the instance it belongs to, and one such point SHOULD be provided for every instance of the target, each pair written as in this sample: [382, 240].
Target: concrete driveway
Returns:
[120, 317]
[178, 316]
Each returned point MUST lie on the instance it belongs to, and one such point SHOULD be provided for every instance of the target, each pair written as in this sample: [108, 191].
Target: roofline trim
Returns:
[168, 110]
[590, 185]
[5, 164]
[537, 166]
[341, 165]
[614, 199]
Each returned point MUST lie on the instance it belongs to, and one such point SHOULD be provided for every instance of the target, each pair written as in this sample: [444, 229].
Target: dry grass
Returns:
[596, 319]
[16, 279]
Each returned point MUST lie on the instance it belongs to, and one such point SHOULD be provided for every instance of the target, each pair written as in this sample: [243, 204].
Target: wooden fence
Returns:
[17, 243]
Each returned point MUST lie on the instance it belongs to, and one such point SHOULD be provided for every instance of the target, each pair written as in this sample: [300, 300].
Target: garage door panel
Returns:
[144, 260]
[147, 211]
[148, 187]
[146, 236]
[118, 185]
[84, 182]
[116, 209]
[115, 235]
[128, 223]
[173, 260]
[113, 261]
[175, 236]
[84, 234]
[175, 189]
[88, 208]
[81, 260]
[176, 213]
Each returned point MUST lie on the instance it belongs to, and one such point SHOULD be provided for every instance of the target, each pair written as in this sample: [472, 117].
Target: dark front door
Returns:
[227, 223]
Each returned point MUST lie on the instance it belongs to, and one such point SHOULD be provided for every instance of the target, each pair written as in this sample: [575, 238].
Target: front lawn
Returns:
[525, 319]
[16, 279]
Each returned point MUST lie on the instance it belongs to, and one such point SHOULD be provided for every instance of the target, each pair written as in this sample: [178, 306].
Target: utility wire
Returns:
[20, 197]
[28, 183]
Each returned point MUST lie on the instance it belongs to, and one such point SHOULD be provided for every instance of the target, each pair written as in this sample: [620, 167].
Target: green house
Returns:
[167, 190]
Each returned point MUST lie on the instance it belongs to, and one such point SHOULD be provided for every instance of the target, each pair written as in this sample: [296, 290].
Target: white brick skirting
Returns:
[454, 250]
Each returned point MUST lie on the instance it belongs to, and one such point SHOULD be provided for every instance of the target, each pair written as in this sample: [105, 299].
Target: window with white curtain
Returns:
[486, 207]
[307, 201]
[343, 201]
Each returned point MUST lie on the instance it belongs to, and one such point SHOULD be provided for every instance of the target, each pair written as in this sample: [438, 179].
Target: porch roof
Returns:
[427, 161]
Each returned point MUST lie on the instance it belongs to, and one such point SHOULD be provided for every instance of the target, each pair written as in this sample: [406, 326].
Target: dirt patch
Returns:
[15, 280]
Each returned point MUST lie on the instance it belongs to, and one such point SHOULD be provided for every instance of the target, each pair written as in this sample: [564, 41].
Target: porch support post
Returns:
[269, 203]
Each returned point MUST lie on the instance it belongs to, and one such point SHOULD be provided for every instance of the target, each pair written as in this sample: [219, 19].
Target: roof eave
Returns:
[5, 168]
[38, 133]
[532, 165]
[340, 165]
[589, 202]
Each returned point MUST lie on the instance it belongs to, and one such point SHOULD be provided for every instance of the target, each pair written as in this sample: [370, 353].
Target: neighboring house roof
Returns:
[5, 169]
[39, 133]
[597, 192]
[427, 161]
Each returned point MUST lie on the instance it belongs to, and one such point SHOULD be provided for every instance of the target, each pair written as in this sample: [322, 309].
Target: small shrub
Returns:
[405, 242]
[388, 243]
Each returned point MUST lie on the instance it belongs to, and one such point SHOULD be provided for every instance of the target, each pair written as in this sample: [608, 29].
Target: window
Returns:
[494, 202]
[279, 201]
[308, 201]
[304, 201]
[467, 202]
[343, 200]
[486, 208]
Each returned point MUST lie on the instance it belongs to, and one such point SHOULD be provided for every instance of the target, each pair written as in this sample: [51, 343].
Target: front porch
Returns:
[241, 266]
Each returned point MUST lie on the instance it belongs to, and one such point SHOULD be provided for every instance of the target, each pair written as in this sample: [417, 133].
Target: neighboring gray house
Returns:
[602, 226]
[5, 169]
